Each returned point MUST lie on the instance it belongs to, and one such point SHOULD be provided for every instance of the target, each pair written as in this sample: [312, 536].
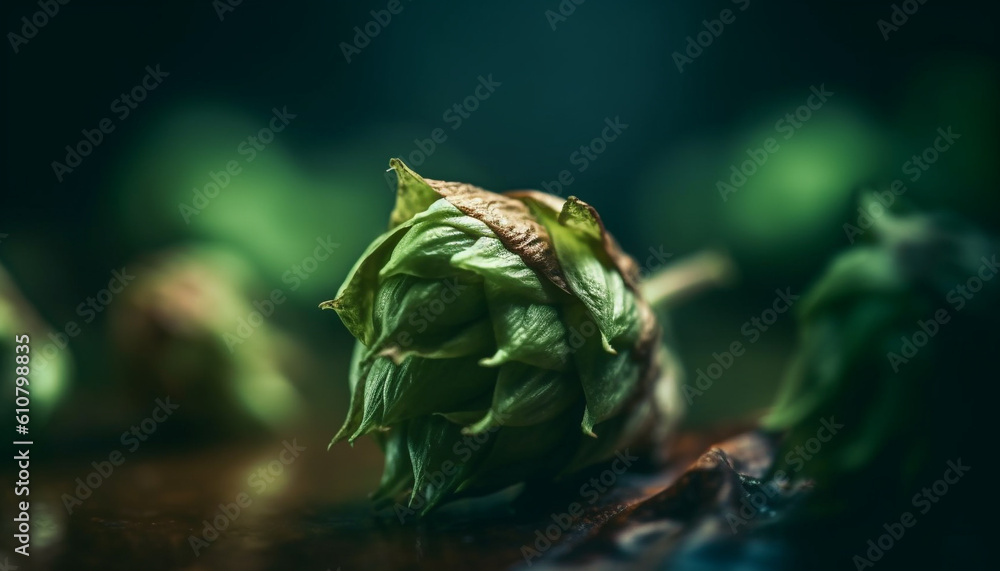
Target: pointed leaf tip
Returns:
[582, 217]
[413, 194]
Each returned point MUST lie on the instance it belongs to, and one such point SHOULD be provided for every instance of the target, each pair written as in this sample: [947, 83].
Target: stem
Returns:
[687, 278]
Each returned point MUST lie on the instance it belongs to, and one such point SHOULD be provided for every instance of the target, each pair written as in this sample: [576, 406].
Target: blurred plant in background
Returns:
[188, 330]
[50, 374]
[893, 337]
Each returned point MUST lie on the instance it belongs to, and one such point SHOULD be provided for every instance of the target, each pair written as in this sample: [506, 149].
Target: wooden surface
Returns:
[315, 515]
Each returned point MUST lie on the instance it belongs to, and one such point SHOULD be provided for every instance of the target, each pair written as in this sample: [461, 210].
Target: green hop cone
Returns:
[894, 338]
[501, 339]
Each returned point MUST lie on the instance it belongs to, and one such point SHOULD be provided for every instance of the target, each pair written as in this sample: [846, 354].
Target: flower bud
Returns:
[501, 337]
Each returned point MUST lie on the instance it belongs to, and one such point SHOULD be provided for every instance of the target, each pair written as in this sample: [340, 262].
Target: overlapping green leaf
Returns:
[504, 270]
[527, 332]
[475, 340]
[410, 308]
[419, 387]
[397, 476]
[356, 296]
[427, 249]
[608, 380]
[437, 468]
[358, 374]
[576, 236]
[527, 395]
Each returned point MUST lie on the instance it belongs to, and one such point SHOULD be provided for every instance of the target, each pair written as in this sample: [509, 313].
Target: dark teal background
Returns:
[324, 175]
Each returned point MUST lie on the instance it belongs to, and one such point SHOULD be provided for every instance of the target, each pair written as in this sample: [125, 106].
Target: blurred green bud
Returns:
[49, 362]
[190, 328]
[501, 338]
[894, 339]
